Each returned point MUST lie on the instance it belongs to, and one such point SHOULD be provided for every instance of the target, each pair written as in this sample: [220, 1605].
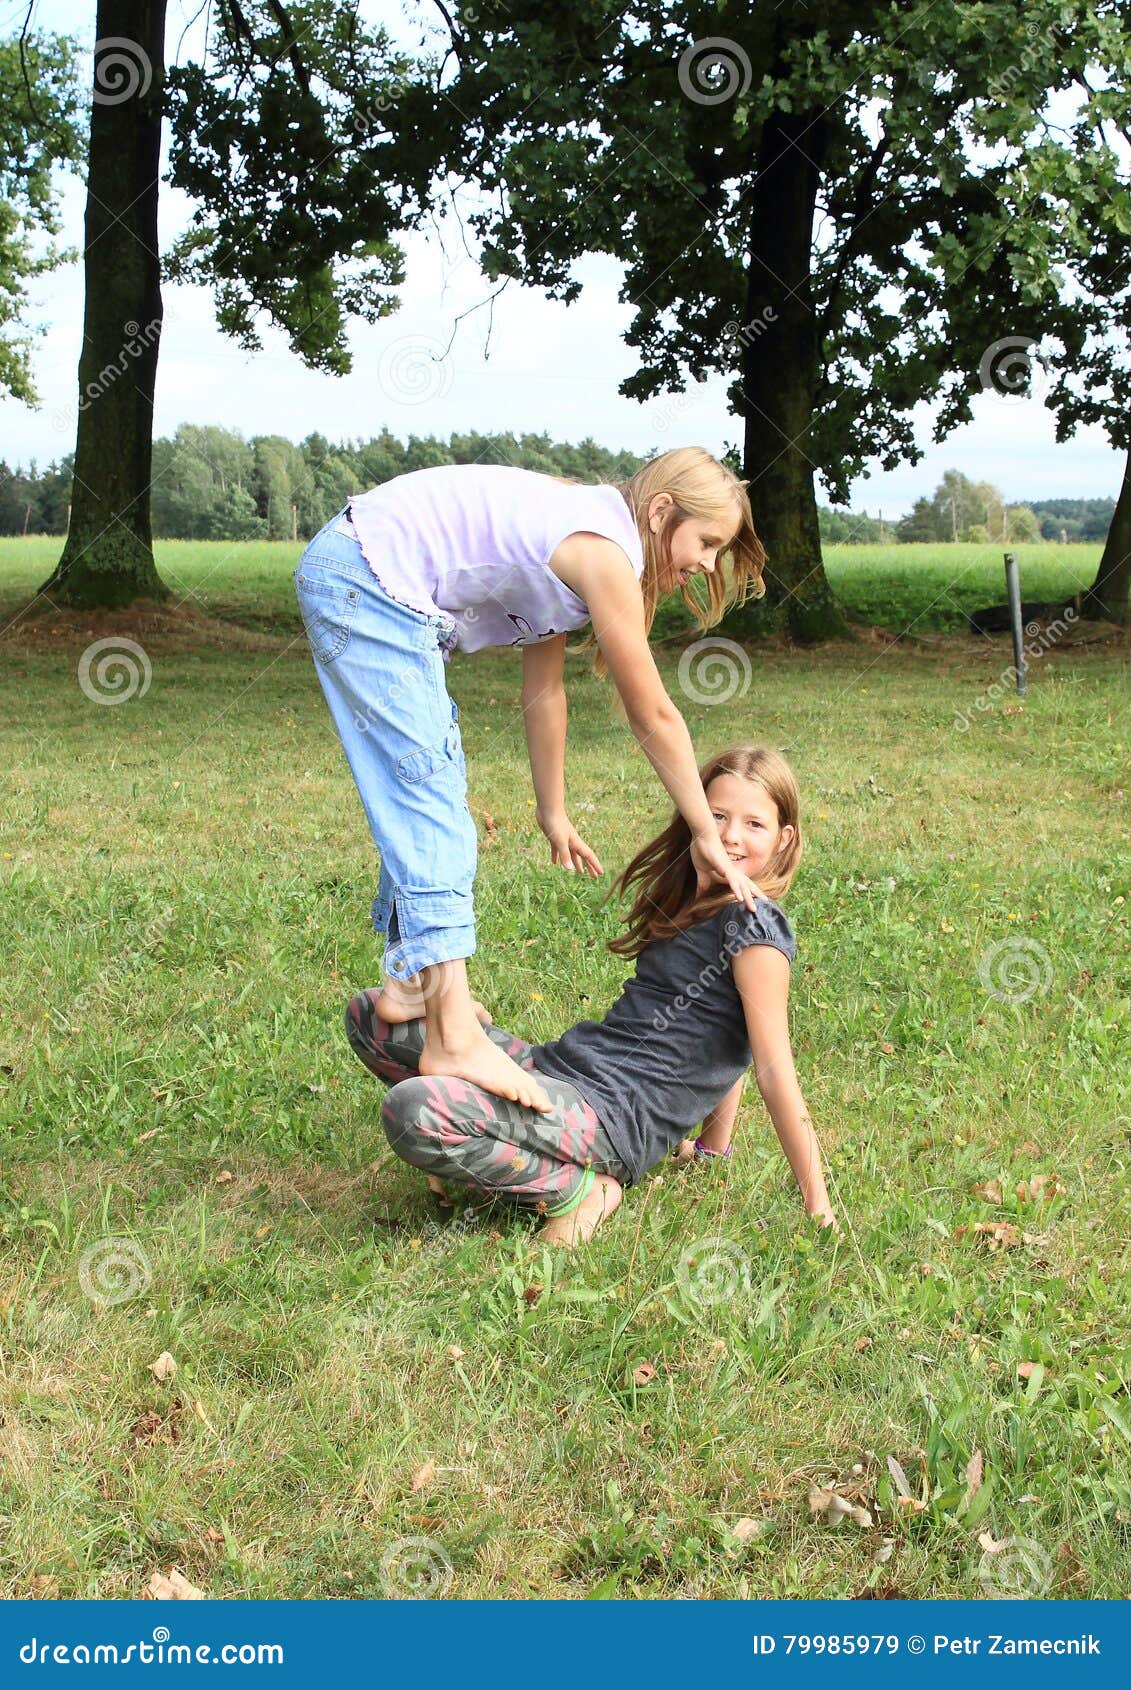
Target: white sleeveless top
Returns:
[475, 540]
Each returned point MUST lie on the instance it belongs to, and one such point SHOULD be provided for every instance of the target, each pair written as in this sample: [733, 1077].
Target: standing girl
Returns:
[475, 555]
[708, 999]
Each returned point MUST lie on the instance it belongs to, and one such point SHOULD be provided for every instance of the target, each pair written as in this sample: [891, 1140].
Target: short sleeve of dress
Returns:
[765, 924]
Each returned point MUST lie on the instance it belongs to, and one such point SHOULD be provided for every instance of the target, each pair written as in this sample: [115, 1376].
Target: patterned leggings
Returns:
[458, 1131]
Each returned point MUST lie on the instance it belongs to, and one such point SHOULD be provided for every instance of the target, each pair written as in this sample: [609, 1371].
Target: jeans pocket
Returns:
[447, 753]
[328, 603]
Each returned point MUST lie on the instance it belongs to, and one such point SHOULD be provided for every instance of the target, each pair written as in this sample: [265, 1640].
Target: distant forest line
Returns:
[211, 483]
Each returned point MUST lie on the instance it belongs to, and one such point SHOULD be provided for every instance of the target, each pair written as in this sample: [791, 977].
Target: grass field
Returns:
[368, 1402]
[921, 588]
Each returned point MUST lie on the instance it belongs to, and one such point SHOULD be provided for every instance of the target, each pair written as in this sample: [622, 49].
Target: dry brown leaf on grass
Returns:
[990, 1192]
[899, 1477]
[424, 1476]
[746, 1528]
[829, 1503]
[974, 1468]
[154, 1428]
[163, 1368]
[910, 1504]
[995, 1235]
[1040, 1186]
[990, 1543]
[175, 1588]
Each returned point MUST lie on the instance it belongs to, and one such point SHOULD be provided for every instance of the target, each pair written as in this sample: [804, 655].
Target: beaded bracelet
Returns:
[703, 1154]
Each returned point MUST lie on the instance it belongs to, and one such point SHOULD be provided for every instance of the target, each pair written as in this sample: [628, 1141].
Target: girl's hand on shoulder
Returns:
[712, 865]
[567, 847]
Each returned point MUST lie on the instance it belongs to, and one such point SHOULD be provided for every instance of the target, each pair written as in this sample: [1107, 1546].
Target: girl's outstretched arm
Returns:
[606, 582]
[544, 714]
[761, 974]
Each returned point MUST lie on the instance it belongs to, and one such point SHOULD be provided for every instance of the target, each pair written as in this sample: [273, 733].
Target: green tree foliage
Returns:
[1065, 222]
[793, 194]
[970, 511]
[842, 527]
[1074, 519]
[211, 484]
[39, 128]
[278, 136]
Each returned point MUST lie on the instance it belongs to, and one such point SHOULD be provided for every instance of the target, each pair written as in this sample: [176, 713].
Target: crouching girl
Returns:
[708, 1000]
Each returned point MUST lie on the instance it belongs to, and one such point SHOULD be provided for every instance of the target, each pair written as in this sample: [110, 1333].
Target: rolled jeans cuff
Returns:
[430, 927]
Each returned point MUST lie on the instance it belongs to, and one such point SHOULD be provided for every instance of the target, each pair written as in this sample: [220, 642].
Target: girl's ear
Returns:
[785, 836]
[658, 507]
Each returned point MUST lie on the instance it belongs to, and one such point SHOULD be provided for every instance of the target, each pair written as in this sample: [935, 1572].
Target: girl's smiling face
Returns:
[696, 542]
[747, 819]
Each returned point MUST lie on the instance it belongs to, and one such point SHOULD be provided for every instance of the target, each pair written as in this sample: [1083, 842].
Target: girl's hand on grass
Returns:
[567, 846]
[684, 1152]
[827, 1221]
[712, 864]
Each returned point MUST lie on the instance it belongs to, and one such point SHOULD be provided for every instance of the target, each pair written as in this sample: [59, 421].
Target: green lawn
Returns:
[921, 588]
[185, 887]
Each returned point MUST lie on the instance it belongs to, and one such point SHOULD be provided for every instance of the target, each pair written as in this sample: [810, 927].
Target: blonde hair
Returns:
[703, 489]
[667, 895]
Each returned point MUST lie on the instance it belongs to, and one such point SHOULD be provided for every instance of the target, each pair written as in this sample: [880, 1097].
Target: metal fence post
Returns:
[1013, 591]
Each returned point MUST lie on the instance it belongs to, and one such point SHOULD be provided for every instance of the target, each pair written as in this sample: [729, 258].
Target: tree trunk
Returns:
[108, 555]
[780, 368]
[1106, 598]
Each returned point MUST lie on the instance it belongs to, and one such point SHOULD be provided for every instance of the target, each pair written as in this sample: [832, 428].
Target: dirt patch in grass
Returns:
[44, 626]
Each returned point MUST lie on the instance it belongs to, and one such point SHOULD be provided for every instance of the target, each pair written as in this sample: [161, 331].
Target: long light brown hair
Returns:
[667, 899]
[701, 489]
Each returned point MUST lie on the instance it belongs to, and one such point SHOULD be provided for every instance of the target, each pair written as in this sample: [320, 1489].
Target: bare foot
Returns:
[395, 1004]
[580, 1224]
[484, 1064]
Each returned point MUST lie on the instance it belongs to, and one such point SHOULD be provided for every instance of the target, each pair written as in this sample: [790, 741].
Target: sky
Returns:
[518, 363]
